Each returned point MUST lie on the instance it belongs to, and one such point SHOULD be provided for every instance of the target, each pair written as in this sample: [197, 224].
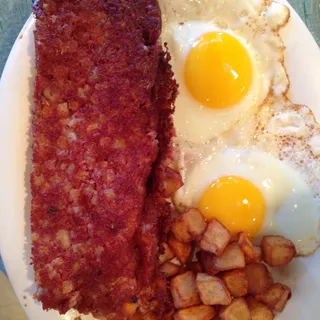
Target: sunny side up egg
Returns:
[251, 191]
[227, 58]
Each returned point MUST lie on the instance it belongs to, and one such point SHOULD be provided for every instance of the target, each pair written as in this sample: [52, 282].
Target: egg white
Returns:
[291, 209]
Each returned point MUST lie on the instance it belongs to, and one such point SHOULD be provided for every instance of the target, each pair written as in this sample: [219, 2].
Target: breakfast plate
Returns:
[302, 62]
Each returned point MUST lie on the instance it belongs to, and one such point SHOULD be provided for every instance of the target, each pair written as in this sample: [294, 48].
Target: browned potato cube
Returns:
[180, 249]
[207, 261]
[166, 255]
[196, 313]
[212, 290]
[215, 238]
[275, 297]
[257, 255]
[169, 269]
[259, 278]
[237, 310]
[246, 245]
[171, 181]
[258, 310]
[234, 237]
[189, 226]
[231, 258]
[236, 282]
[277, 250]
[195, 266]
[184, 290]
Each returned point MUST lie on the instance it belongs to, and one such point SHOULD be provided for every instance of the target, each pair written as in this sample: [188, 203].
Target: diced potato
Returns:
[275, 297]
[180, 249]
[257, 257]
[236, 282]
[169, 269]
[258, 310]
[246, 246]
[259, 278]
[176, 261]
[189, 225]
[215, 238]
[167, 255]
[212, 290]
[129, 309]
[184, 290]
[171, 181]
[207, 261]
[196, 313]
[234, 237]
[277, 250]
[237, 310]
[231, 258]
[257, 253]
[195, 266]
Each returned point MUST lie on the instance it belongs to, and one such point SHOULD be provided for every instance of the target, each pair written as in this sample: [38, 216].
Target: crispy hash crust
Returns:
[103, 97]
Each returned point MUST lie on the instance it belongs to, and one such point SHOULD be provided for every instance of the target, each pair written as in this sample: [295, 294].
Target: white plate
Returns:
[303, 66]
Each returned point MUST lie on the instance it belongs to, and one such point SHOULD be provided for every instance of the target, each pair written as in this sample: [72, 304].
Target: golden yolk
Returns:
[236, 203]
[218, 70]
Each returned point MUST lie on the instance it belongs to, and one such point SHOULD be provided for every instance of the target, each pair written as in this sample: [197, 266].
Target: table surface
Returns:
[14, 13]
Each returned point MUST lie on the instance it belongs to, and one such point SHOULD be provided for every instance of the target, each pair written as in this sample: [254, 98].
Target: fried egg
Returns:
[250, 190]
[227, 58]
[273, 159]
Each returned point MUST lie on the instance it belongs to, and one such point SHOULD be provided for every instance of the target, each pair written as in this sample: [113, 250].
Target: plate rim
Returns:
[6, 73]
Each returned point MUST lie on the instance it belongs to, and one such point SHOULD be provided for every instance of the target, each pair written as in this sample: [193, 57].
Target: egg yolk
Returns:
[236, 203]
[218, 70]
